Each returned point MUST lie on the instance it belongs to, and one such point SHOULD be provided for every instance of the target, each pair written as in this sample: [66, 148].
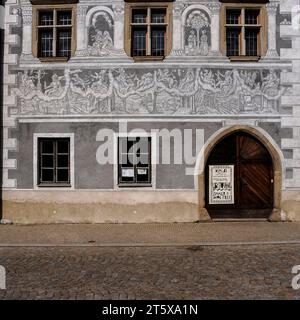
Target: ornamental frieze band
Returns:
[155, 91]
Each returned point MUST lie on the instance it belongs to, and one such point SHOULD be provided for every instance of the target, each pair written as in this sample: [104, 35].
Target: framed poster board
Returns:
[221, 184]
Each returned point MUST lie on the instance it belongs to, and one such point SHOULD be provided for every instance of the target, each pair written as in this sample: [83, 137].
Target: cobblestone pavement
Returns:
[225, 272]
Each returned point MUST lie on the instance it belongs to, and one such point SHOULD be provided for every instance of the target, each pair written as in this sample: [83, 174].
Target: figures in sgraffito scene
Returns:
[196, 46]
[271, 83]
[197, 41]
[102, 43]
[54, 88]
[203, 48]
[162, 91]
[192, 42]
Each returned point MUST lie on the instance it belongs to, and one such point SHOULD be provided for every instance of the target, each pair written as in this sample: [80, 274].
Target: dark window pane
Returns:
[62, 146]
[143, 159]
[232, 42]
[157, 42]
[47, 161]
[233, 16]
[46, 18]
[251, 16]
[139, 16]
[142, 175]
[139, 42]
[251, 42]
[131, 159]
[47, 175]
[64, 18]
[47, 146]
[143, 145]
[45, 43]
[62, 175]
[64, 43]
[63, 160]
[158, 15]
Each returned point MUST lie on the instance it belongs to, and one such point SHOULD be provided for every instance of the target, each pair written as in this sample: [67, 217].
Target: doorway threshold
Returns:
[240, 220]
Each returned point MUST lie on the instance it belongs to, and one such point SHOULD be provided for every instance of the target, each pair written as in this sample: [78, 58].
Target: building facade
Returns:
[151, 111]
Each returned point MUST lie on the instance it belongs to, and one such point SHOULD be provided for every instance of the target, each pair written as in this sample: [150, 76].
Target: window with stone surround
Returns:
[54, 32]
[53, 162]
[244, 32]
[148, 30]
[134, 167]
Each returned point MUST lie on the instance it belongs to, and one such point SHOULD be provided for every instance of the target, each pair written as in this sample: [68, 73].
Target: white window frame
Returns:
[135, 134]
[36, 137]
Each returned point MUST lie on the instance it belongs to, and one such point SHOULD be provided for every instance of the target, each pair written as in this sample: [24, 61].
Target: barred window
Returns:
[54, 32]
[134, 161]
[148, 31]
[54, 161]
[243, 31]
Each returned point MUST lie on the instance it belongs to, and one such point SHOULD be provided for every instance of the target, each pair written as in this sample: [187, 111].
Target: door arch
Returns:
[266, 140]
[239, 178]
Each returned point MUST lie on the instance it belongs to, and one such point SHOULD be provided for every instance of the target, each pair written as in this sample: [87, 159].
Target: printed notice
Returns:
[221, 184]
[129, 173]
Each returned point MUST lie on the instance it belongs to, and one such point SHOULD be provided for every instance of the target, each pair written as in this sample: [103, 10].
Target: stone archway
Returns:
[271, 146]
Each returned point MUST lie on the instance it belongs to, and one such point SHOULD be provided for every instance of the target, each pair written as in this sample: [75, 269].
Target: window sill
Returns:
[244, 58]
[136, 185]
[54, 59]
[52, 185]
[149, 58]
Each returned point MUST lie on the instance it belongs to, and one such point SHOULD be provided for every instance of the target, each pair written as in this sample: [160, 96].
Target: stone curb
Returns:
[191, 244]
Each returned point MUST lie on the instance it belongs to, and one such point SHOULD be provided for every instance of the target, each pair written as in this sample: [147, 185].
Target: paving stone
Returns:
[226, 272]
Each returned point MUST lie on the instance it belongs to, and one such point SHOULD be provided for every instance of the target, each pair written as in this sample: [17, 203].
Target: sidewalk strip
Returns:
[132, 244]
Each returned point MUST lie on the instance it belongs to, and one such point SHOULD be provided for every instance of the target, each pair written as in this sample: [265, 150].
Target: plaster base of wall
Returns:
[27, 207]
[30, 207]
[291, 205]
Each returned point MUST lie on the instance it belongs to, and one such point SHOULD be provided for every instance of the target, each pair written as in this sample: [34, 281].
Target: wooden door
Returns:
[253, 177]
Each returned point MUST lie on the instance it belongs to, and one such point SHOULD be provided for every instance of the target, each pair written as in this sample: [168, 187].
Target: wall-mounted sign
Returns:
[221, 184]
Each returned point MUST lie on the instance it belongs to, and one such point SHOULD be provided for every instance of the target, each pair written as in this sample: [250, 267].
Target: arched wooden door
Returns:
[239, 178]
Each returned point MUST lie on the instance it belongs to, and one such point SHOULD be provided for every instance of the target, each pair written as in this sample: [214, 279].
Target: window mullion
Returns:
[55, 160]
[243, 34]
[148, 52]
[54, 32]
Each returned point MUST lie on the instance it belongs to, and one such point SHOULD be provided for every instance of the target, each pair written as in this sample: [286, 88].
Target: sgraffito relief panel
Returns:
[100, 34]
[173, 91]
[97, 25]
[197, 33]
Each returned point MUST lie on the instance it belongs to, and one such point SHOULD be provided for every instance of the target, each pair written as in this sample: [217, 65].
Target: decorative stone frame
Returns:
[35, 10]
[154, 144]
[36, 136]
[263, 31]
[127, 27]
[267, 141]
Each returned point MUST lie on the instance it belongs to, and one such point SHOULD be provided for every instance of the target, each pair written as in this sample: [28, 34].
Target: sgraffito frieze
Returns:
[175, 91]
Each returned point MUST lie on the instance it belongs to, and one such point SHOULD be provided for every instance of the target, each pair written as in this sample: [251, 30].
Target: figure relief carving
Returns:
[171, 91]
[100, 35]
[197, 33]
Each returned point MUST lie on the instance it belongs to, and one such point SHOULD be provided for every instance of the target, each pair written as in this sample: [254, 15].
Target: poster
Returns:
[128, 173]
[221, 184]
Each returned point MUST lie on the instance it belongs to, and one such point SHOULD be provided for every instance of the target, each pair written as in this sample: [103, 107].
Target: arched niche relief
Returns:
[196, 31]
[99, 39]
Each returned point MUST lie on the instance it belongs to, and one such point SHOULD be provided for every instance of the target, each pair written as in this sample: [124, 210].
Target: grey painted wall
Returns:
[89, 174]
